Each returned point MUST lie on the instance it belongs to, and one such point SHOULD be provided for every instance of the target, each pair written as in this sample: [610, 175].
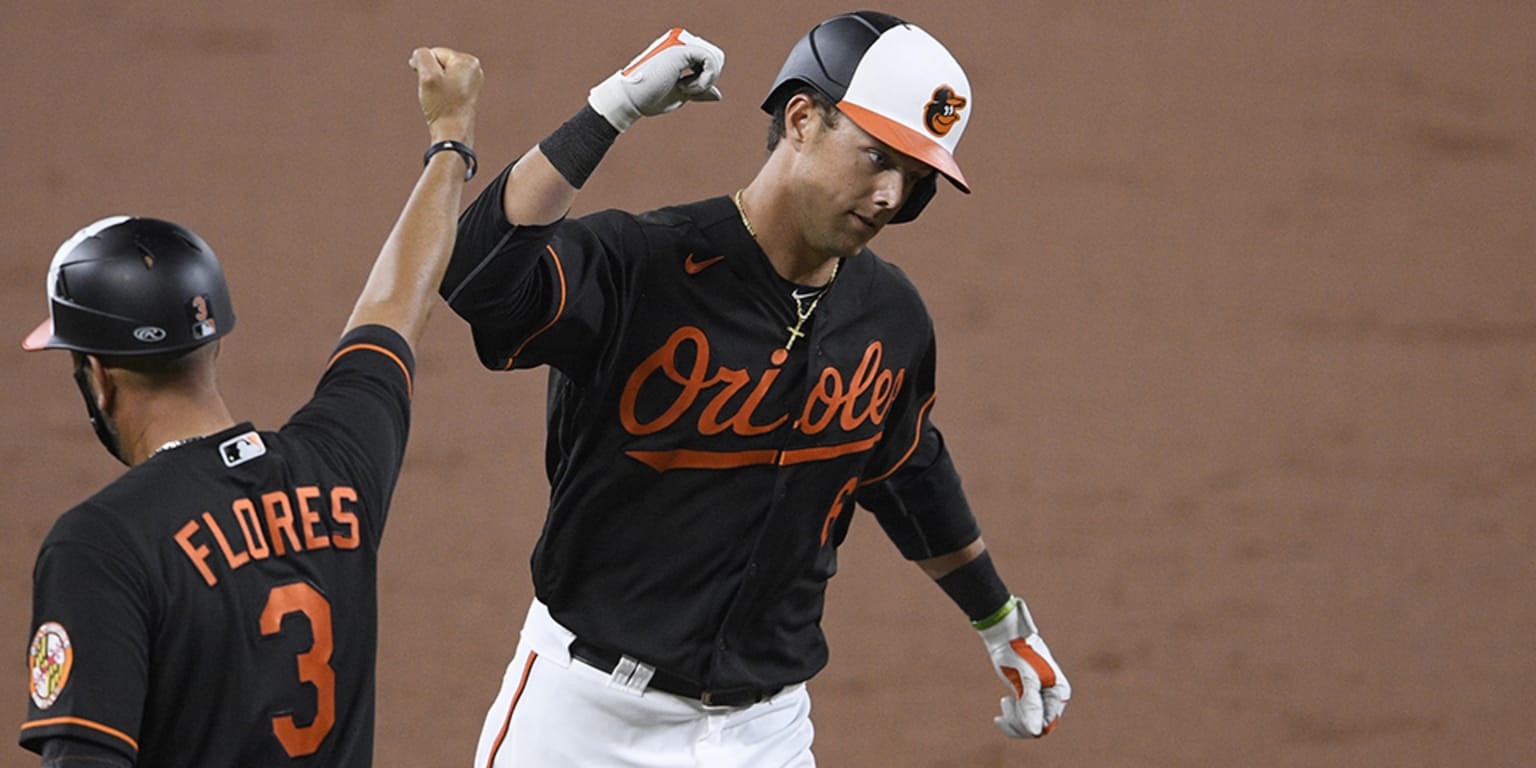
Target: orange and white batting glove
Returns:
[679, 67]
[1039, 690]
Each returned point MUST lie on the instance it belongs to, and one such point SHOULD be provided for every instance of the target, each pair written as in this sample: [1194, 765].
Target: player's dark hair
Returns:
[829, 112]
[159, 370]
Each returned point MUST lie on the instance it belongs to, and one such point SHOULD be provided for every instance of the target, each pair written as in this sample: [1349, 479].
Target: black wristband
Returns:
[455, 146]
[976, 587]
[578, 145]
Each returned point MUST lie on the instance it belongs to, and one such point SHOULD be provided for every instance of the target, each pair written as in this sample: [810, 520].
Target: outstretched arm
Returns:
[402, 286]
[678, 67]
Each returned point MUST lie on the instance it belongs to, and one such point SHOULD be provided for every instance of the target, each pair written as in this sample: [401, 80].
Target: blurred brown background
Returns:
[1238, 336]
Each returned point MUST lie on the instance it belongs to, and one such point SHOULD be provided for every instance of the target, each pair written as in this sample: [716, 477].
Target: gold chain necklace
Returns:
[802, 312]
[745, 222]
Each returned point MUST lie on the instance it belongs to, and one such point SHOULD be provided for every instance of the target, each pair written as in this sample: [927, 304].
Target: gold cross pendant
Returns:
[794, 333]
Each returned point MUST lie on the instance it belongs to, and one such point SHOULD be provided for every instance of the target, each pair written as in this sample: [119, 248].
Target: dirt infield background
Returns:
[1238, 337]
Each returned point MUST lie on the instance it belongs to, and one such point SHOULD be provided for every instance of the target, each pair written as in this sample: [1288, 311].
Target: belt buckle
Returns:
[739, 697]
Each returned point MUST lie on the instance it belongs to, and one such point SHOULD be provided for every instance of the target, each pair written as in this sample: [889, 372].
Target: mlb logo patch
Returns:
[239, 450]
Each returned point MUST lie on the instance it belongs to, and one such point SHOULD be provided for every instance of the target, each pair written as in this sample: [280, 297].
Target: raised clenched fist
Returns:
[677, 68]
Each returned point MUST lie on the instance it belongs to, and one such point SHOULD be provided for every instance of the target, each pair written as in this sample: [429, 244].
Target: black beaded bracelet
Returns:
[455, 146]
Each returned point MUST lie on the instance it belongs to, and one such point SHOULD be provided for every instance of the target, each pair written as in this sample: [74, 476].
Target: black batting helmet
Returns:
[134, 286]
[895, 81]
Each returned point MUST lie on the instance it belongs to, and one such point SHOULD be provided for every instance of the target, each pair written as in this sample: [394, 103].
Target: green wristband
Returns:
[996, 616]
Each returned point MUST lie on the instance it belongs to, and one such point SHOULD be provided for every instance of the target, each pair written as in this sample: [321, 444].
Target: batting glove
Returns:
[1039, 688]
[677, 68]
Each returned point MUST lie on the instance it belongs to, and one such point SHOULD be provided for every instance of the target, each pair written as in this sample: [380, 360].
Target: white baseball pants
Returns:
[555, 711]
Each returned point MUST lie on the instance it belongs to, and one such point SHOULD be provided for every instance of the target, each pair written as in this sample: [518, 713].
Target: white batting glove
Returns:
[677, 68]
[1039, 688]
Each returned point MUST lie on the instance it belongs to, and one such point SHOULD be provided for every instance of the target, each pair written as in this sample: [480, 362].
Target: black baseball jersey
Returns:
[702, 475]
[217, 605]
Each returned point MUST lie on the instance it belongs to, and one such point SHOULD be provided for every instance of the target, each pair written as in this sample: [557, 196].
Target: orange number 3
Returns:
[314, 664]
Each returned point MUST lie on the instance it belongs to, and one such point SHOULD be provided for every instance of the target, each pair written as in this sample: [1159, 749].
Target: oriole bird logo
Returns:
[944, 111]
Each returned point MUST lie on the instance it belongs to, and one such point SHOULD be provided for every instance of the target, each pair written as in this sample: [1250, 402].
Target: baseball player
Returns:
[216, 605]
[728, 379]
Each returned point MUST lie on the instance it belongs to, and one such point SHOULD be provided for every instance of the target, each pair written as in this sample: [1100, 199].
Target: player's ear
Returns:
[103, 384]
[801, 115]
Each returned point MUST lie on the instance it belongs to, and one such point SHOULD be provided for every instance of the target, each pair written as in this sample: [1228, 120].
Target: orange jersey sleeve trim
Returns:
[922, 415]
[560, 311]
[409, 385]
[91, 724]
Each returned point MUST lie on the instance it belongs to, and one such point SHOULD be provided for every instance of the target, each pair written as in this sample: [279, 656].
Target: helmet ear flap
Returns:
[922, 192]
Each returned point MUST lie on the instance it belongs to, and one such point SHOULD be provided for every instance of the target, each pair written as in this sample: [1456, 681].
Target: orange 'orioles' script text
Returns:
[863, 396]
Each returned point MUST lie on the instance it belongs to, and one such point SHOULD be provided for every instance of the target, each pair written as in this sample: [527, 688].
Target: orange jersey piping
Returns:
[922, 413]
[409, 385]
[560, 272]
[95, 726]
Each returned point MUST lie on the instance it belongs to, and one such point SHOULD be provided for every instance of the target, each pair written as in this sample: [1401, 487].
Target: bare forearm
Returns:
[543, 183]
[400, 289]
[403, 284]
[536, 193]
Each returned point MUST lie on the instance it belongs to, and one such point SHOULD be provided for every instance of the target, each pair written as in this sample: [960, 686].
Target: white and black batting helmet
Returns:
[895, 81]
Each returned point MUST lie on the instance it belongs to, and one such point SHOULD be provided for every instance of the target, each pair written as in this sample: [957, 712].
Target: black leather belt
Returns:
[605, 660]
